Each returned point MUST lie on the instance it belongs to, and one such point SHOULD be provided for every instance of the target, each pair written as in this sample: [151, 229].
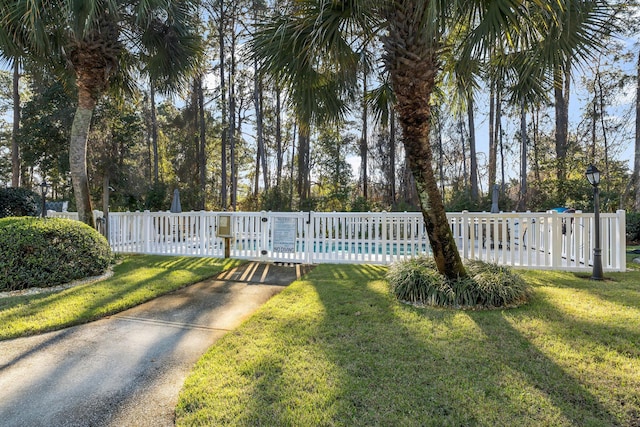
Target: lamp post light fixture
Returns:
[44, 187]
[593, 176]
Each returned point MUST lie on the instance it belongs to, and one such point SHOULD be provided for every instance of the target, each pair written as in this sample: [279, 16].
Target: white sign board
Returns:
[284, 234]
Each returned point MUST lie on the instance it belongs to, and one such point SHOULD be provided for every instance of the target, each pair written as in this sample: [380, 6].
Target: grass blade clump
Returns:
[418, 281]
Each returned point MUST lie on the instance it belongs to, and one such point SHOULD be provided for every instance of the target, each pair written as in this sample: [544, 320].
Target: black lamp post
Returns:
[593, 175]
[43, 188]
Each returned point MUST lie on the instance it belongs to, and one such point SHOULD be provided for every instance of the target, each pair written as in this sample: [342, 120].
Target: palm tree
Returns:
[321, 35]
[99, 45]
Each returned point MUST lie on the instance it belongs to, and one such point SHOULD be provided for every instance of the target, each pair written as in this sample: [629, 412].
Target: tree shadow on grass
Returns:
[567, 394]
[83, 378]
[361, 358]
[99, 299]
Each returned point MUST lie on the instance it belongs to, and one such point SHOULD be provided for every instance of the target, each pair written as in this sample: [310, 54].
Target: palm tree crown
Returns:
[99, 45]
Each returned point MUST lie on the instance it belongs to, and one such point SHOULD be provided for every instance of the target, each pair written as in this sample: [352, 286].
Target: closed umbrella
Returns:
[175, 202]
[494, 200]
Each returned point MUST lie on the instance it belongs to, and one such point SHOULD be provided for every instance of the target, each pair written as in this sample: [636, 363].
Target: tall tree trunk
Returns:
[105, 202]
[498, 136]
[522, 202]
[304, 188]
[473, 173]
[413, 67]
[279, 151]
[605, 140]
[154, 131]
[293, 156]
[232, 117]
[364, 175]
[465, 175]
[503, 181]
[392, 157]
[636, 162]
[78, 160]
[202, 159]
[261, 159]
[492, 136]
[440, 158]
[15, 150]
[562, 86]
[223, 108]
[536, 144]
[594, 137]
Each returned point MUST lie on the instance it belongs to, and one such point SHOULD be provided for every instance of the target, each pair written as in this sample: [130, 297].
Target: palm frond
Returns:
[381, 100]
[315, 53]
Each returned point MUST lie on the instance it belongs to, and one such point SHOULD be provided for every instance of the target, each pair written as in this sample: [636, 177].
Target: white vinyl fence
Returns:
[549, 240]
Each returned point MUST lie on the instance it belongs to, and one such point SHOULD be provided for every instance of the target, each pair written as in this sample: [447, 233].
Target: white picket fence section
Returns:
[542, 240]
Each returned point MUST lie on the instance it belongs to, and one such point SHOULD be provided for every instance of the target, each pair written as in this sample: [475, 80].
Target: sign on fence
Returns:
[284, 234]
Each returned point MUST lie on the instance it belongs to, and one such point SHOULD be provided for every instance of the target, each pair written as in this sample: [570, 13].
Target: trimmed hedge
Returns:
[488, 286]
[19, 202]
[49, 252]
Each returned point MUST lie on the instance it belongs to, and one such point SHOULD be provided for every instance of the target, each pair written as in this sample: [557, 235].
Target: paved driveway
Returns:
[127, 370]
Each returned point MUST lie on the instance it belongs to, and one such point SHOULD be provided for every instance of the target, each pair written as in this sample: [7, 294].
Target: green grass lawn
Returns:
[630, 257]
[335, 349]
[136, 280]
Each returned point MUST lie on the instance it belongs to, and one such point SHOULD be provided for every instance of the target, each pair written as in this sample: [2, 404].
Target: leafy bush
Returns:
[417, 280]
[275, 199]
[633, 227]
[49, 252]
[19, 202]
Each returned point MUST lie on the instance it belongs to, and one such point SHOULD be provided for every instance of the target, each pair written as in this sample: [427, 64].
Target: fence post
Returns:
[202, 232]
[386, 229]
[308, 239]
[622, 240]
[464, 233]
[146, 231]
[265, 225]
[556, 240]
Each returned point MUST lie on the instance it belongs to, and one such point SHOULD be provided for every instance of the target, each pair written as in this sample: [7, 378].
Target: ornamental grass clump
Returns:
[418, 281]
[49, 252]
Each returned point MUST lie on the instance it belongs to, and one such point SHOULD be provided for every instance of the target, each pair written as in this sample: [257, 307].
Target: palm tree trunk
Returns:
[412, 60]
[420, 158]
[78, 161]
[15, 150]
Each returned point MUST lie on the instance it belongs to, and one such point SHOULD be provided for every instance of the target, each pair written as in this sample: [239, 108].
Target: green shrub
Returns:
[417, 280]
[48, 252]
[633, 227]
[19, 202]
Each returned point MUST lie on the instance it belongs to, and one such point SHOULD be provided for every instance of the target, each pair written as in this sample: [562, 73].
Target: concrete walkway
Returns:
[127, 370]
